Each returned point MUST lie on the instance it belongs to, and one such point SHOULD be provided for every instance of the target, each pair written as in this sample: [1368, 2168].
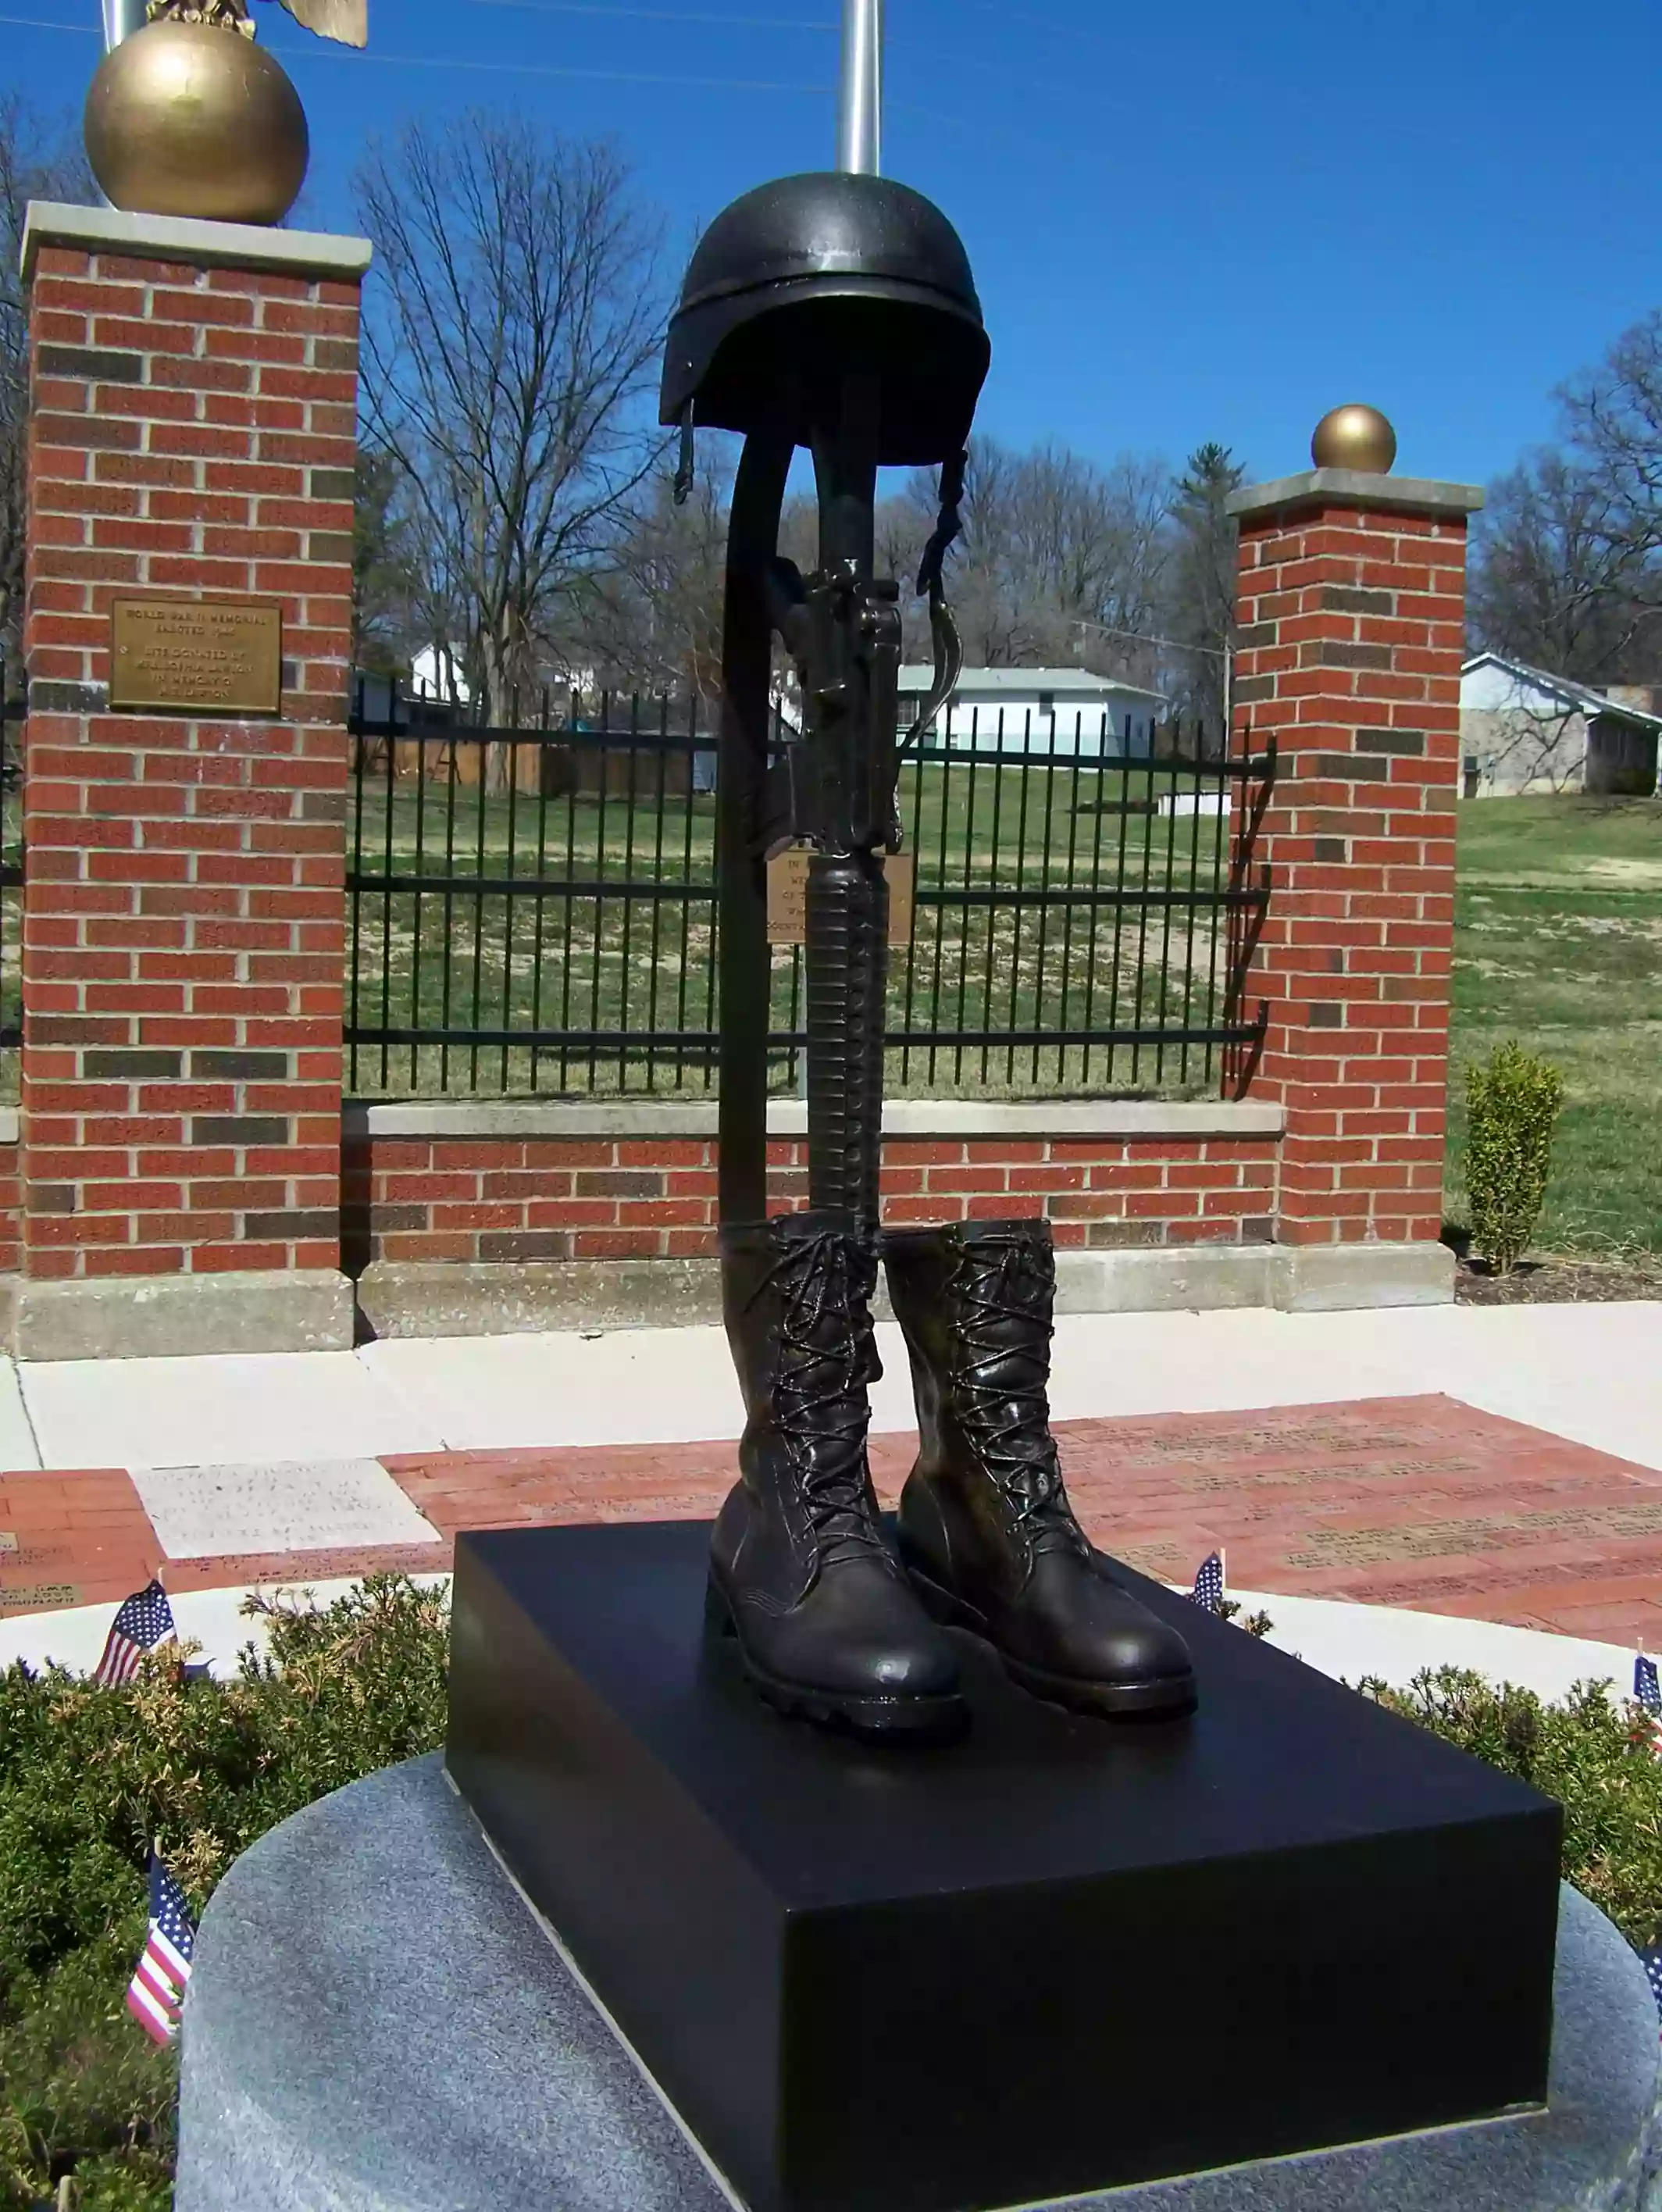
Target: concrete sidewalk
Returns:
[1519, 1482]
[1590, 1373]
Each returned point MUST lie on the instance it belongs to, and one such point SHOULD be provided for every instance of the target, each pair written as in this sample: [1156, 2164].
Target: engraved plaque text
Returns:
[787, 895]
[39, 1597]
[195, 656]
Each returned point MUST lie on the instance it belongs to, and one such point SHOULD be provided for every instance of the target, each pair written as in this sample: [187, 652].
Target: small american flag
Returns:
[1208, 1583]
[144, 1620]
[1654, 1974]
[1647, 1693]
[156, 1990]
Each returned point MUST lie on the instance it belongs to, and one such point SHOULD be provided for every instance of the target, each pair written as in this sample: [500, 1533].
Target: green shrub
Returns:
[1593, 1752]
[1512, 1106]
[88, 1777]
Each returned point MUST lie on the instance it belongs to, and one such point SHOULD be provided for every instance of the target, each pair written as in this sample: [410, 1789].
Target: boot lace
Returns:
[820, 1404]
[1003, 1294]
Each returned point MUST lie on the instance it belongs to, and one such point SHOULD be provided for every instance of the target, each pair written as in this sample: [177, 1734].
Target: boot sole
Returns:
[1168, 1696]
[917, 1720]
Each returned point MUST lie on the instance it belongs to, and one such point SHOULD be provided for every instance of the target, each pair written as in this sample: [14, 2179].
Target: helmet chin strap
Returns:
[683, 475]
[943, 629]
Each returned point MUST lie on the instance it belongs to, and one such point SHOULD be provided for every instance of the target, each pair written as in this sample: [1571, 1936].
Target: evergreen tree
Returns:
[1203, 585]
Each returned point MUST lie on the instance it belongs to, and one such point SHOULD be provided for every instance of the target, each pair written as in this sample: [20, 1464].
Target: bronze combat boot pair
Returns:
[833, 1625]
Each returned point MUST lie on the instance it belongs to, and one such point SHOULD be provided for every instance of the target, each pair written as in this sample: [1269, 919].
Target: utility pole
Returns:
[859, 107]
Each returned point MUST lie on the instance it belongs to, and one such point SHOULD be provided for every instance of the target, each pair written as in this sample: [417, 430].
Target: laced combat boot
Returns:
[986, 1529]
[827, 1625]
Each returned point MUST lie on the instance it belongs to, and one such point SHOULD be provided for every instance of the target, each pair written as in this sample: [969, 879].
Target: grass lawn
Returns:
[1558, 943]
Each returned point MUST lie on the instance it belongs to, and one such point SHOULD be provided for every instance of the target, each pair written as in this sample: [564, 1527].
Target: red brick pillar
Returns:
[192, 435]
[1352, 611]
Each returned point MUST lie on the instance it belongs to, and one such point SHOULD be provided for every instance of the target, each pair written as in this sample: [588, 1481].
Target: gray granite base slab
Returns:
[378, 2023]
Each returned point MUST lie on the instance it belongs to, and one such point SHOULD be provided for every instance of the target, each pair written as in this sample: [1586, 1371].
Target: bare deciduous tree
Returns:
[386, 583]
[1613, 418]
[41, 158]
[1060, 560]
[513, 328]
[1557, 581]
[1568, 572]
[653, 621]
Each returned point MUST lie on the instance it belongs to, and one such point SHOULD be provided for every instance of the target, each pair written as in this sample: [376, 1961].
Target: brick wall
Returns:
[193, 432]
[486, 1199]
[11, 1209]
[1352, 611]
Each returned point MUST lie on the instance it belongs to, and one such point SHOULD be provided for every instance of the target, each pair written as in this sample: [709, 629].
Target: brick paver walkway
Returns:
[1421, 1503]
[72, 1538]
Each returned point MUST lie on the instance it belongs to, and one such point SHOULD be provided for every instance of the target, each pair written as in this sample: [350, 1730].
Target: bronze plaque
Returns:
[195, 656]
[787, 895]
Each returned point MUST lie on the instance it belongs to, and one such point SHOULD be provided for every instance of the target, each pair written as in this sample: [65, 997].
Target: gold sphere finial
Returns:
[190, 120]
[1354, 437]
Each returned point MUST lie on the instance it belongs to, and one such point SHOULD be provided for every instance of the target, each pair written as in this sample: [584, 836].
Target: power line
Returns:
[1147, 637]
[657, 14]
[318, 50]
[323, 50]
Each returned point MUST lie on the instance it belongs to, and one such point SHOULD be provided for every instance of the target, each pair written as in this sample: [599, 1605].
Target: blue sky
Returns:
[1186, 221]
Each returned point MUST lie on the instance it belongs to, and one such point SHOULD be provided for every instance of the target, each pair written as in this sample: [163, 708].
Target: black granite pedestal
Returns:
[1056, 1957]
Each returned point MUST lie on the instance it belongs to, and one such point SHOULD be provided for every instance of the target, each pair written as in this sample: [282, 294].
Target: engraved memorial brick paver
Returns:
[85, 1534]
[39, 1597]
[283, 1506]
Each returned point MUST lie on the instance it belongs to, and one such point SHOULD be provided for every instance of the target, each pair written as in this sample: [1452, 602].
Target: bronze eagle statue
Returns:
[345, 21]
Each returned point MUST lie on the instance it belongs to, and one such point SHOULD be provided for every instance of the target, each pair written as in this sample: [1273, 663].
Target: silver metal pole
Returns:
[121, 19]
[859, 110]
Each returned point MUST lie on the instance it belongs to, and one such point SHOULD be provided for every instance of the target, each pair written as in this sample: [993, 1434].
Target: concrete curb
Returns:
[1359, 488]
[416, 1299]
[146, 1317]
[970, 1120]
[180, 238]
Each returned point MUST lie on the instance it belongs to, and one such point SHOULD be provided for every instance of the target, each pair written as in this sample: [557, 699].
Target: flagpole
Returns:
[121, 19]
[859, 103]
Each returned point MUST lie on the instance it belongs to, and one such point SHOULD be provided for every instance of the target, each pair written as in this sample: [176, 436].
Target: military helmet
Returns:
[804, 276]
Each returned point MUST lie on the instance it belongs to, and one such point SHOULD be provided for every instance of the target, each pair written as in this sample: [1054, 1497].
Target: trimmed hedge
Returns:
[88, 1777]
[1512, 1105]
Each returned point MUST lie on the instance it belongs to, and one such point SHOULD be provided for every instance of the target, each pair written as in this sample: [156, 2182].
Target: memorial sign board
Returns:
[787, 895]
[195, 656]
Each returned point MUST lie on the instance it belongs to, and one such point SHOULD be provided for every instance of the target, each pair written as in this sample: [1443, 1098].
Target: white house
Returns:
[436, 673]
[1524, 730]
[1065, 711]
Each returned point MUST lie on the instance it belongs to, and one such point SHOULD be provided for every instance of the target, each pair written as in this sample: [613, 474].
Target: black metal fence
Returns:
[532, 907]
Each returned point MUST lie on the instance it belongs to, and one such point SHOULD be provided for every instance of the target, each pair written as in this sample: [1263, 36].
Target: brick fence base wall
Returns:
[11, 1208]
[476, 1199]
